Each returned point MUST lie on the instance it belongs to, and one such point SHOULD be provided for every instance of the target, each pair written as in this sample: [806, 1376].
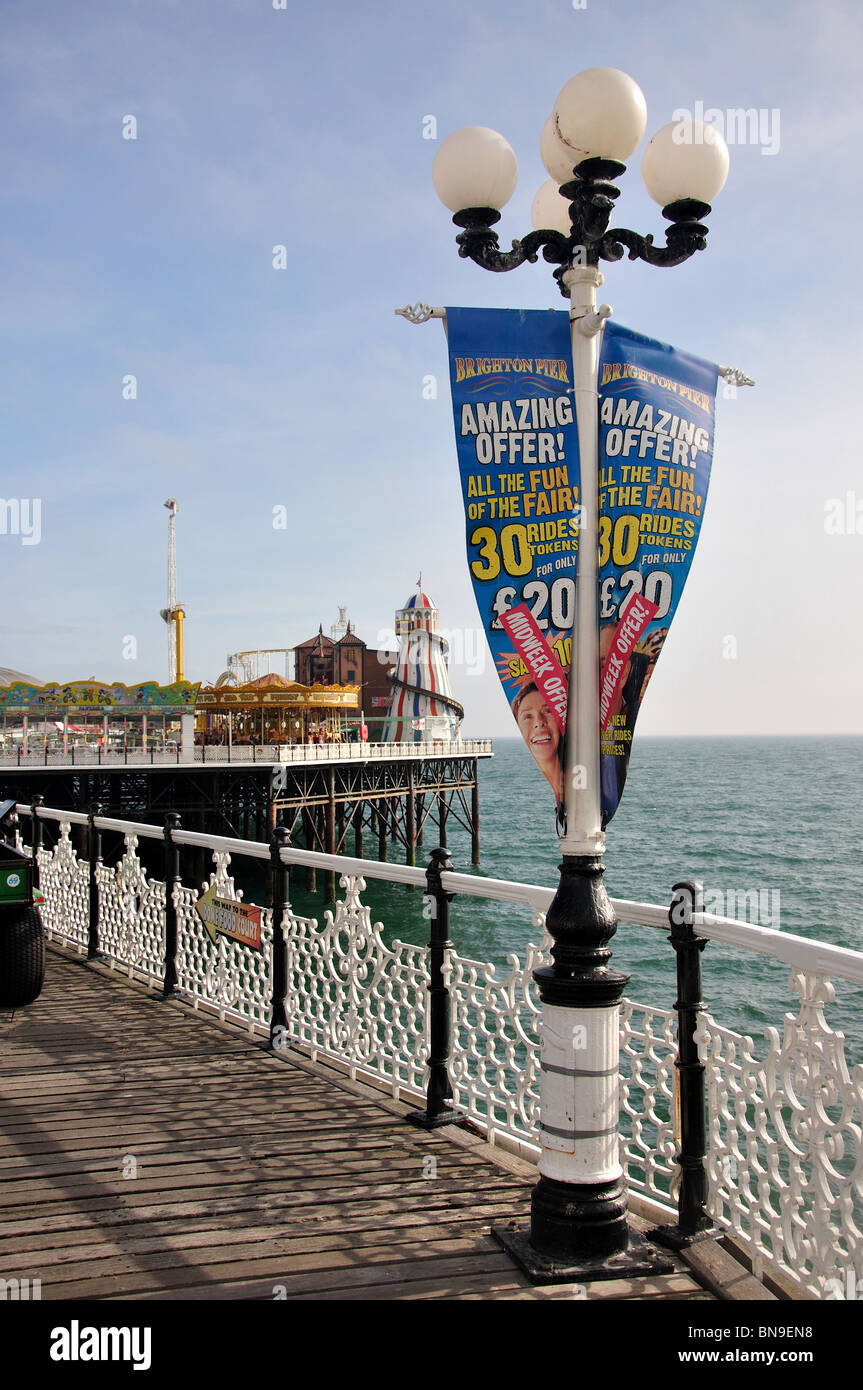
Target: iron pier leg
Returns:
[382, 832]
[309, 837]
[442, 814]
[410, 813]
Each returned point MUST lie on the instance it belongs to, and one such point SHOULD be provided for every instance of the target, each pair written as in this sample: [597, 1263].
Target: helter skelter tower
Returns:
[422, 707]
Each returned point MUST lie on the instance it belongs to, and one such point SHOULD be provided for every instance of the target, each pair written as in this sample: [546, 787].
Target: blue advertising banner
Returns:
[511, 377]
[512, 389]
[656, 414]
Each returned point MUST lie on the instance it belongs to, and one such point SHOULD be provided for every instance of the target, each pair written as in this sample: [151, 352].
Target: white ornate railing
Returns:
[786, 1155]
[265, 753]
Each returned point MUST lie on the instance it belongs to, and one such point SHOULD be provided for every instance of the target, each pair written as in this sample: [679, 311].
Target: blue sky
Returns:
[259, 387]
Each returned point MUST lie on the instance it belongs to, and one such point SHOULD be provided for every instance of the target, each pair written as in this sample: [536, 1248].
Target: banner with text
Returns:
[656, 424]
[511, 376]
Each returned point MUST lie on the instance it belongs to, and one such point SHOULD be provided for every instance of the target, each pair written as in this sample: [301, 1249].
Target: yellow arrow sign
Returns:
[226, 917]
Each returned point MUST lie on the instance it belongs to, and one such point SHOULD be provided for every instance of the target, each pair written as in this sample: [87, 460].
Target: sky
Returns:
[259, 388]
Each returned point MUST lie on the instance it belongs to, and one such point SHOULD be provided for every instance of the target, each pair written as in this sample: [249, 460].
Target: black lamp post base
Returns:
[423, 1120]
[638, 1260]
[674, 1239]
[174, 994]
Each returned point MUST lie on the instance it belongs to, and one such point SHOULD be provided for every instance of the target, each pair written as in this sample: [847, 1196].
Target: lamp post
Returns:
[578, 1208]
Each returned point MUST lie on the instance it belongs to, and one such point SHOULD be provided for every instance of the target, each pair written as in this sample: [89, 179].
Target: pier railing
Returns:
[264, 753]
[784, 1158]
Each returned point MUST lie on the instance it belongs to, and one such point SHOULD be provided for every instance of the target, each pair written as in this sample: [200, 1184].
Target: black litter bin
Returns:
[22, 938]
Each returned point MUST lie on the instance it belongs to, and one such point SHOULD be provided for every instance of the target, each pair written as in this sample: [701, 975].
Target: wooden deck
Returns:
[148, 1152]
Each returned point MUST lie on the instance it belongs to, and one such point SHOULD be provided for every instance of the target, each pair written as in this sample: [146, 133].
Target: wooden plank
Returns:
[298, 1280]
[256, 1173]
[144, 1234]
[280, 1213]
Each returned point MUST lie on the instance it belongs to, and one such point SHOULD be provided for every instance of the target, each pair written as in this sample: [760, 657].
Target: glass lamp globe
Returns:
[601, 113]
[475, 168]
[685, 159]
[549, 210]
[558, 158]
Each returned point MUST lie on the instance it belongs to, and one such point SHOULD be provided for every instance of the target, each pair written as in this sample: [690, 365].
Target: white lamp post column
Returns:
[582, 798]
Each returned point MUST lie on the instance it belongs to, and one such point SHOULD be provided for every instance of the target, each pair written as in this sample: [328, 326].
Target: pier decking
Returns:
[149, 1152]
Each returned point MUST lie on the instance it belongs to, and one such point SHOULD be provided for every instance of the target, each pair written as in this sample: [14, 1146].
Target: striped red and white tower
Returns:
[422, 707]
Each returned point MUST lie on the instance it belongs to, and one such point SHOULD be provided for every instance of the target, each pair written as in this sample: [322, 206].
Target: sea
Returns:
[772, 827]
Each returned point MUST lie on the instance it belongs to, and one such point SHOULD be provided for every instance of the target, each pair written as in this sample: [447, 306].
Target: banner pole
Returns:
[582, 798]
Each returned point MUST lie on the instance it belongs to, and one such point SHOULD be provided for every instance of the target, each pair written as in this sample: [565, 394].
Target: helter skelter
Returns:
[422, 707]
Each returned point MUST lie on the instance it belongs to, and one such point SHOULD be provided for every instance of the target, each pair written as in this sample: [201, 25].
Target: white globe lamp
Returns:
[559, 159]
[685, 159]
[601, 113]
[550, 211]
[475, 168]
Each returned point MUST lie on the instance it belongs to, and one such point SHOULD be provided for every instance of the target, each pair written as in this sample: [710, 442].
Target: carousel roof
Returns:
[272, 679]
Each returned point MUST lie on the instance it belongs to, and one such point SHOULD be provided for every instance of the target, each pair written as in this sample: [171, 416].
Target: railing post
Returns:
[438, 1109]
[693, 1221]
[281, 898]
[94, 855]
[36, 837]
[170, 986]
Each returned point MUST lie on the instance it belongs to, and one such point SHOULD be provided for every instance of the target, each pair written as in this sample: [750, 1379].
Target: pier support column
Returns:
[79, 832]
[419, 815]
[474, 819]
[358, 829]
[442, 814]
[382, 832]
[410, 819]
[311, 843]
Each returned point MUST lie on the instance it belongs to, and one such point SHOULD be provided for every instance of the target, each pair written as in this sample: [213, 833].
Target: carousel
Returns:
[276, 710]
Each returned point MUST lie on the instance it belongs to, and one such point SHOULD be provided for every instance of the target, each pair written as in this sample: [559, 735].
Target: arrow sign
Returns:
[226, 917]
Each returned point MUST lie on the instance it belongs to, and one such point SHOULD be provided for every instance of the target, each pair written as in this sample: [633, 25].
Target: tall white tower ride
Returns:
[422, 707]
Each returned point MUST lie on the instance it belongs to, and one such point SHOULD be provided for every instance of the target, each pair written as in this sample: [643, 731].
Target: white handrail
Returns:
[801, 952]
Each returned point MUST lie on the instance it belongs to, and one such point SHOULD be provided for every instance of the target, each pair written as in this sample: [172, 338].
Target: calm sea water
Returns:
[778, 817]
